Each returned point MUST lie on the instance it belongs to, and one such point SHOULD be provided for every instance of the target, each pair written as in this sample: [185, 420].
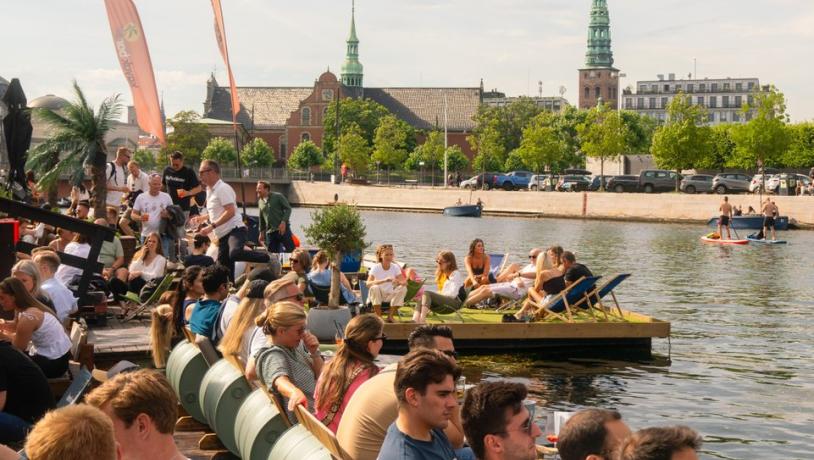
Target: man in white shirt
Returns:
[116, 175]
[63, 299]
[224, 220]
[137, 180]
[153, 205]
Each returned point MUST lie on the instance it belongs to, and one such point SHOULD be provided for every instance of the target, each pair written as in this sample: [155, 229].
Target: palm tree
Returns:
[77, 142]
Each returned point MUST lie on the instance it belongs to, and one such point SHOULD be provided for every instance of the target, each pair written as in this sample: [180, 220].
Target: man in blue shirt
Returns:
[204, 319]
[425, 388]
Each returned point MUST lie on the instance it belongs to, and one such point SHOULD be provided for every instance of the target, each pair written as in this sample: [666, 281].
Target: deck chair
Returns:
[77, 389]
[321, 432]
[594, 296]
[142, 306]
[497, 262]
[278, 403]
[364, 291]
[571, 295]
[412, 289]
[210, 354]
[323, 293]
[446, 310]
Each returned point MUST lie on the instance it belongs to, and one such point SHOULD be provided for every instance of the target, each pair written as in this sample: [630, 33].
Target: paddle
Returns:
[733, 229]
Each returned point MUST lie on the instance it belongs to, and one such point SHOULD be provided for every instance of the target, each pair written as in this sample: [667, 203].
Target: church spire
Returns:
[352, 70]
[599, 52]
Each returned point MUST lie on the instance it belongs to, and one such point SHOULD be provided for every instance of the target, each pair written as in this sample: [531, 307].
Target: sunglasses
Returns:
[527, 426]
[381, 337]
[532, 256]
[204, 171]
[294, 261]
[451, 353]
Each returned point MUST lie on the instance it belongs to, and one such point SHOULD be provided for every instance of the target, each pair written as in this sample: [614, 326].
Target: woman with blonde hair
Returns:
[147, 264]
[450, 282]
[300, 261]
[242, 330]
[35, 325]
[386, 282]
[290, 365]
[351, 366]
[549, 281]
[161, 331]
[28, 272]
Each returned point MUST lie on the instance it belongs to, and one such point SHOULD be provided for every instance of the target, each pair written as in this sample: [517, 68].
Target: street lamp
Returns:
[378, 168]
[420, 171]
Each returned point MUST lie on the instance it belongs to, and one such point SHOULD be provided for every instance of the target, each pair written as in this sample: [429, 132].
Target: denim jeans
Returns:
[231, 248]
[12, 428]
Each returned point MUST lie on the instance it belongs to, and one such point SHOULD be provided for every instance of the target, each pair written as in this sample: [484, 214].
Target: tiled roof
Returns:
[272, 106]
[423, 108]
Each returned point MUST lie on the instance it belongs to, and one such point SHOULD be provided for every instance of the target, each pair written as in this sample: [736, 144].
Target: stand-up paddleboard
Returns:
[755, 240]
[707, 239]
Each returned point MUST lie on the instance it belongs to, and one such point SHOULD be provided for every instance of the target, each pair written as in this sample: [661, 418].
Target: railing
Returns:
[269, 174]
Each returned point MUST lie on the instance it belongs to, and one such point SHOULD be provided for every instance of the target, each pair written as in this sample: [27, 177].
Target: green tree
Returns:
[337, 230]
[354, 151]
[78, 134]
[389, 144]
[306, 156]
[682, 141]
[764, 139]
[498, 131]
[257, 154]
[363, 113]
[800, 153]
[640, 130]
[542, 145]
[431, 152]
[221, 150]
[456, 160]
[721, 150]
[187, 136]
[514, 161]
[603, 136]
[145, 159]
[566, 123]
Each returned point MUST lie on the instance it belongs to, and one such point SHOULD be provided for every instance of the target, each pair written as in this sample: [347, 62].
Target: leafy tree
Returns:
[566, 123]
[456, 160]
[221, 150]
[337, 230]
[498, 130]
[363, 113]
[145, 159]
[389, 145]
[305, 156]
[800, 153]
[721, 150]
[354, 151]
[764, 139]
[682, 141]
[603, 136]
[514, 161]
[431, 152]
[640, 129]
[542, 144]
[78, 133]
[187, 136]
[257, 154]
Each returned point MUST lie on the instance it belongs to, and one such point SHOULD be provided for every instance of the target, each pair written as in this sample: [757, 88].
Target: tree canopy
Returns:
[221, 150]
[306, 156]
[683, 140]
[187, 136]
[542, 145]
[355, 151]
[364, 114]
[257, 154]
[763, 139]
[603, 135]
[390, 142]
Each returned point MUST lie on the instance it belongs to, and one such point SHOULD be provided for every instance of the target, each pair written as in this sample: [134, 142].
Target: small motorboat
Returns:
[754, 222]
[707, 239]
[463, 210]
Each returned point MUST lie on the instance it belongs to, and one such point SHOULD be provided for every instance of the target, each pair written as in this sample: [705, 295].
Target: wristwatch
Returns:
[214, 225]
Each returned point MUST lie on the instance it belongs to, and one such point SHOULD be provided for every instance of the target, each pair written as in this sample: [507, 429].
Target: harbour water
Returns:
[738, 367]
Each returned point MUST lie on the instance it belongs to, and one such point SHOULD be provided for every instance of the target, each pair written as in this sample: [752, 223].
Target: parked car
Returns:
[476, 182]
[595, 183]
[543, 182]
[805, 181]
[658, 180]
[696, 183]
[730, 183]
[515, 180]
[625, 183]
[772, 183]
[573, 183]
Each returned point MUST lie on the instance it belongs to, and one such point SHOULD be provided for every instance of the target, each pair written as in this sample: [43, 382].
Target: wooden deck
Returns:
[116, 340]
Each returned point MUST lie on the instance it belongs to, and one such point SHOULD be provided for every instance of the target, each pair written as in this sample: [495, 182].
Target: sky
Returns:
[511, 44]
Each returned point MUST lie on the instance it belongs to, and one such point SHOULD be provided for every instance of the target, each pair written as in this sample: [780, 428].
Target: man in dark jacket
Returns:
[275, 212]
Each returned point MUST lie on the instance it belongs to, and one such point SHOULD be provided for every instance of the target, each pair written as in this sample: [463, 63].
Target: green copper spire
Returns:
[352, 70]
[599, 52]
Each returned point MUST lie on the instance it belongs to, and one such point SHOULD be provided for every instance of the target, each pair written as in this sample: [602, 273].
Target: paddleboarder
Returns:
[770, 211]
[726, 216]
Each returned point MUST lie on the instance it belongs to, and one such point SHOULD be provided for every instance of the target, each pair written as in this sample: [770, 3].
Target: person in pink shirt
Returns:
[351, 367]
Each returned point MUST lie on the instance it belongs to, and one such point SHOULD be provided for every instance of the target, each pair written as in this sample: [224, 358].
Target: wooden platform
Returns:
[116, 340]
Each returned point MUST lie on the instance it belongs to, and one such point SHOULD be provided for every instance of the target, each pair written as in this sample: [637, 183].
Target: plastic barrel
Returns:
[185, 369]
[298, 444]
[222, 391]
[258, 426]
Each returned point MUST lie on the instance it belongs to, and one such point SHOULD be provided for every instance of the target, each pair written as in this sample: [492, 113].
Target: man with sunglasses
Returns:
[374, 406]
[225, 221]
[497, 423]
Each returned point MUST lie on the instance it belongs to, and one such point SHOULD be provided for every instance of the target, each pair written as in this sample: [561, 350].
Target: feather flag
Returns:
[134, 58]
[220, 35]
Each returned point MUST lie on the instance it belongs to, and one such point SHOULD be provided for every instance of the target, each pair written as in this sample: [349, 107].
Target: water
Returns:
[738, 368]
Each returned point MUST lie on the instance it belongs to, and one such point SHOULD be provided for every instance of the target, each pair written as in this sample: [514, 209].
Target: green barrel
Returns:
[222, 391]
[298, 444]
[258, 426]
[185, 369]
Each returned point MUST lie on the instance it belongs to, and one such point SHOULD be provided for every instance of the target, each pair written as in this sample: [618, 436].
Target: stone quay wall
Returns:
[664, 207]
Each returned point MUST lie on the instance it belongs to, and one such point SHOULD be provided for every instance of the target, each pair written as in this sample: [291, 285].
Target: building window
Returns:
[587, 92]
[723, 116]
[611, 93]
[712, 117]
[640, 103]
[664, 102]
[690, 87]
[654, 88]
[736, 117]
[597, 92]
[642, 88]
[628, 103]
[282, 148]
[306, 116]
[725, 102]
[751, 85]
[726, 86]
[678, 88]
[714, 87]
[738, 101]
[702, 87]
[738, 86]
[305, 137]
[748, 115]
[652, 103]
[700, 100]
[713, 101]
[750, 100]
[666, 88]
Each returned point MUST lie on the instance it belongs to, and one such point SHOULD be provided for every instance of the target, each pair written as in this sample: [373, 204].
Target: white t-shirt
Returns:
[155, 269]
[119, 179]
[379, 273]
[142, 182]
[65, 273]
[229, 310]
[64, 301]
[258, 340]
[152, 205]
[453, 284]
[217, 197]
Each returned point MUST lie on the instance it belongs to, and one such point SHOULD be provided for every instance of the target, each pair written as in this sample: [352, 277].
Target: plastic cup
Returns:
[181, 193]
[145, 217]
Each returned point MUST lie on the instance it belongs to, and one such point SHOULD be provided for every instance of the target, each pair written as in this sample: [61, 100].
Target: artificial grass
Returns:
[475, 316]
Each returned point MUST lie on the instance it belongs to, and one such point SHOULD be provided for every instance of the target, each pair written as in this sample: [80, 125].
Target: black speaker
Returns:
[9, 233]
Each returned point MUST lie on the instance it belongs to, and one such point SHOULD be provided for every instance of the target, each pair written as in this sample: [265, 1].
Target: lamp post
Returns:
[420, 171]
[378, 168]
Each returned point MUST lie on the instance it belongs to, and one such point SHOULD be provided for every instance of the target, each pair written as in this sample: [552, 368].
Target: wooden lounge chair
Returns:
[321, 432]
[594, 296]
[278, 403]
[141, 307]
[569, 297]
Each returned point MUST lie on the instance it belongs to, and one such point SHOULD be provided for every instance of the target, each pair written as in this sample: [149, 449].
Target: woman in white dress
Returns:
[149, 263]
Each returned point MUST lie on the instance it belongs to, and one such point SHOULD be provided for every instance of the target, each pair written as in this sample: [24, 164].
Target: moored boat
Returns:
[463, 210]
[752, 222]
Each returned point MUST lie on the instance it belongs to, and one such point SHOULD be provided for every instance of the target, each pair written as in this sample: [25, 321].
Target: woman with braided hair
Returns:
[351, 367]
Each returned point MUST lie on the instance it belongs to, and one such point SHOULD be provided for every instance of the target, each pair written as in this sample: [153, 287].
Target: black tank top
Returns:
[554, 285]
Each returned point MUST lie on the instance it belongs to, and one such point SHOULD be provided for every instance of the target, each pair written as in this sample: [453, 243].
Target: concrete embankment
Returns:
[665, 207]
